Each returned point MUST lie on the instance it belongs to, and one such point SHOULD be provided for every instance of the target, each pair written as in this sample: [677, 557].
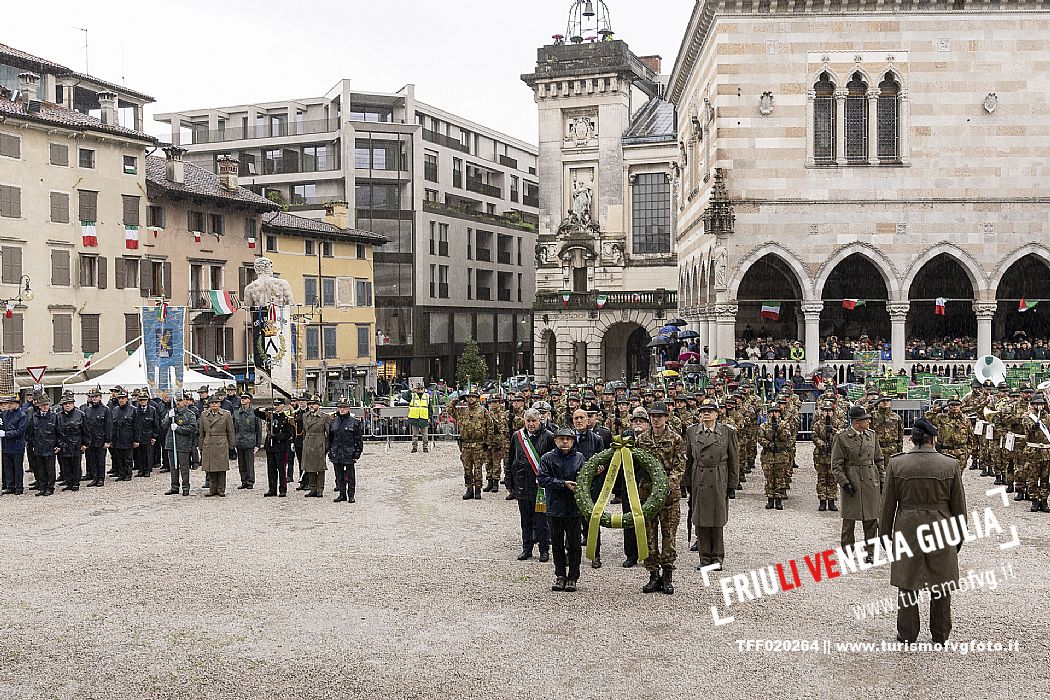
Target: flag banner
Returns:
[601, 300]
[131, 237]
[221, 302]
[1025, 305]
[88, 233]
[938, 308]
[196, 236]
[565, 296]
[163, 335]
[251, 242]
[851, 304]
[771, 310]
[10, 310]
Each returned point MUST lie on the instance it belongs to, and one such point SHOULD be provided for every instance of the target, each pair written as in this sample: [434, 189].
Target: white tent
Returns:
[131, 374]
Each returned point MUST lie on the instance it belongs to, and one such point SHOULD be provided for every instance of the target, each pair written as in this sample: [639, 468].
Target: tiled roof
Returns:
[282, 220]
[50, 113]
[201, 183]
[653, 122]
[45, 66]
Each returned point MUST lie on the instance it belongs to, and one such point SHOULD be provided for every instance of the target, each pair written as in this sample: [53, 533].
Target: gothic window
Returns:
[889, 115]
[651, 213]
[824, 120]
[857, 120]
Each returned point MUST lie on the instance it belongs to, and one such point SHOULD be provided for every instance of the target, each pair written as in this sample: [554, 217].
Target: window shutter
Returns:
[120, 272]
[131, 210]
[227, 333]
[10, 201]
[100, 274]
[60, 207]
[60, 268]
[89, 332]
[59, 154]
[242, 281]
[7, 272]
[63, 336]
[166, 289]
[132, 329]
[13, 334]
[10, 146]
[145, 278]
[16, 202]
[88, 210]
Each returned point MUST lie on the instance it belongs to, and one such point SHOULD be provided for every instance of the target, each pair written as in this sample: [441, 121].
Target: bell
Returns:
[588, 9]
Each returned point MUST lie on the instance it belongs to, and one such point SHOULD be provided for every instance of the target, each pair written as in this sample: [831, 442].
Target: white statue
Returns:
[581, 201]
[721, 268]
[267, 289]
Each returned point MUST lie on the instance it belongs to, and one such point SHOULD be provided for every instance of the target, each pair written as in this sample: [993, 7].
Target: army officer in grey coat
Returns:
[217, 437]
[857, 464]
[712, 466]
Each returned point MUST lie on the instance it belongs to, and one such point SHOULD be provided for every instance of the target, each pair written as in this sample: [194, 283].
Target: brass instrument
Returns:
[988, 413]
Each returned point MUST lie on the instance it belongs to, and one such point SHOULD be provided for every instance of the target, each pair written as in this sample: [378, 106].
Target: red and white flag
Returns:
[131, 237]
[938, 308]
[88, 233]
[251, 242]
[196, 236]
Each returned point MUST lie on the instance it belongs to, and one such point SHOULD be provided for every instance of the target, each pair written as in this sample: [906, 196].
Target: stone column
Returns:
[811, 310]
[898, 315]
[712, 335]
[701, 328]
[811, 98]
[905, 139]
[985, 313]
[564, 360]
[726, 330]
[873, 126]
[840, 127]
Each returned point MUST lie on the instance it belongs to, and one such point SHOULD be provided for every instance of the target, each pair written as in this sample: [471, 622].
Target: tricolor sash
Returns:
[534, 461]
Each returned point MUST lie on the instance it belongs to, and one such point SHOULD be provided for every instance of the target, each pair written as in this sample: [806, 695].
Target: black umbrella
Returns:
[678, 322]
[682, 335]
[658, 341]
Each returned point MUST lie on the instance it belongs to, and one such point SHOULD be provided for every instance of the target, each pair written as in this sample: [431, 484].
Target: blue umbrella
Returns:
[669, 330]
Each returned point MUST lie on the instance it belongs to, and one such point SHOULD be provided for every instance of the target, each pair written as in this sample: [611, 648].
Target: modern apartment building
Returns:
[457, 201]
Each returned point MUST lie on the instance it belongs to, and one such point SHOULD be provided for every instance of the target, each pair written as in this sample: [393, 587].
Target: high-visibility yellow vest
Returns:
[419, 407]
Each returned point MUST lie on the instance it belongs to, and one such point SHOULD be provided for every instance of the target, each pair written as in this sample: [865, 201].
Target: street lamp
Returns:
[25, 293]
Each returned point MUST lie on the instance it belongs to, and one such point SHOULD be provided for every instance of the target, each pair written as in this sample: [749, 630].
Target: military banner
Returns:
[867, 362]
[163, 337]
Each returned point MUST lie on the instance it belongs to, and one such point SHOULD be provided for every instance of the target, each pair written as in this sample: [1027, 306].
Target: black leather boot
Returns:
[488, 486]
[654, 584]
[778, 504]
[1019, 496]
[1043, 507]
[823, 506]
[832, 506]
[477, 493]
[1034, 507]
[769, 504]
[667, 586]
[495, 486]
[1010, 487]
[469, 494]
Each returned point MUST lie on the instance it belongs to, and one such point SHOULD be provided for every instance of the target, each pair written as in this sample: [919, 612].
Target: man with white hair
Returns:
[527, 445]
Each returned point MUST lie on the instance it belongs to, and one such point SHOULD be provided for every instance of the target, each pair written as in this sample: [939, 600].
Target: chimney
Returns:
[27, 85]
[108, 101]
[174, 168]
[337, 214]
[227, 166]
[653, 63]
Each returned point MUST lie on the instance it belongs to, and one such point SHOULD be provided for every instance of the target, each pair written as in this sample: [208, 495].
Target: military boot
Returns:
[1035, 506]
[832, 506]
[778, 504]
[975, 464]
[477, 493]
[770, 503]
[469, 494]
[667, 585]
[495, 486]
[985, 472]
[1010, 487]
[654, 584]
[999, 479]
[823, 506]
[1020, 495]
[1044, 507]
[488, 486]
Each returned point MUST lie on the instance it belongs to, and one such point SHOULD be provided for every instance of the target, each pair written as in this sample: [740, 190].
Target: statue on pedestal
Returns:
[267, 290]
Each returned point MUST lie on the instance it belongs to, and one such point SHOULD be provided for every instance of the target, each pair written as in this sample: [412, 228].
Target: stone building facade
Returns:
[605, 258]
[891, 153]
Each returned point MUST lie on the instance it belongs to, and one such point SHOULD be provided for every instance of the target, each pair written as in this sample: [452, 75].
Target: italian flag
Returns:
[196, 236]
[852, 304]
[221, 302]
[601, 300]
[938, 308]
[1025, 305]
[88, 233]
[565, 296]
[131, 237]
[771, 310]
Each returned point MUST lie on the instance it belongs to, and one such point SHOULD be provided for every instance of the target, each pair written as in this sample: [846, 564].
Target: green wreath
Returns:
[642, 458]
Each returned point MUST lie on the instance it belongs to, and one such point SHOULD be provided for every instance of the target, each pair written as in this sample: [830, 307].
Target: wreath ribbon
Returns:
[621, 457]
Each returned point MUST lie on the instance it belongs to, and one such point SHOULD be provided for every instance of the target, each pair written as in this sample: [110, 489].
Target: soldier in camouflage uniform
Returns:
[662, 531]
[953, 433]
[825, 426]
[751, 406]
[972, 407]
[475, 435]
[730, 413]
[1037, 430]
[1004, 407]
[888, 427]
[776, 439]
[792, 419]
[1018, 463]
[499, 444]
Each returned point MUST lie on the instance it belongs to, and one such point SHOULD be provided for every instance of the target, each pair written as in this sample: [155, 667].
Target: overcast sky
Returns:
[464, 56]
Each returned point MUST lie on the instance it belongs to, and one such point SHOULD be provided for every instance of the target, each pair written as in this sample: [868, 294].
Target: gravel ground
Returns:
[412, 593]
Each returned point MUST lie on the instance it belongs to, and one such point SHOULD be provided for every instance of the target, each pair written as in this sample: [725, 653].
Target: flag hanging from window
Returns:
[196, 236]
[221, 302]
[251, 242]
[851, 304]
[938, 308]
[88, 233]
[601, 300]
[10, 310]
[565, 296]
[131, 237]
[771, 310]
[1025, 305]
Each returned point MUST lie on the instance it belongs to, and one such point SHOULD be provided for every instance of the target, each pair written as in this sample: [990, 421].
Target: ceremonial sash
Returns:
[534, 461]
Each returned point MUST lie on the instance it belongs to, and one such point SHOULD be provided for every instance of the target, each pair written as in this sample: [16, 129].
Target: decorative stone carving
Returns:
[726, 311]
[991, 102]
[721, 268]
[613, 252]
[267, 289]
[984, 310]
[546, 253]
[579, 218]
[812, 308]
[898, 310]
[765, 104]
[581, 130]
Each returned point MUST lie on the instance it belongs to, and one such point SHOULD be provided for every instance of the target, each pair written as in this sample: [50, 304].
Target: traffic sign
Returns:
[36, 372]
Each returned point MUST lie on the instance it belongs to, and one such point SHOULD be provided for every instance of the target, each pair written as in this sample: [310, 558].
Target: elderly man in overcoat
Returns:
[217, 437]
[712, 469]
[316, 426]
[858, 466]
[922, 487]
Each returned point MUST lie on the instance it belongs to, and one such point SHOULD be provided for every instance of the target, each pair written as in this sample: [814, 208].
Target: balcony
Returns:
[200, 300]
[474, 185]
[442, 140]
[655, 299]
[506, 221]
[509, 162]
[528, 201]
[314, 126]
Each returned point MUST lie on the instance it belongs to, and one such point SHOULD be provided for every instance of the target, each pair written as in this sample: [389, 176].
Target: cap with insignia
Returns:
[640, 414]
[565, 432]
[708, 405]
[858, 413]
[67, 397]
[659, 408]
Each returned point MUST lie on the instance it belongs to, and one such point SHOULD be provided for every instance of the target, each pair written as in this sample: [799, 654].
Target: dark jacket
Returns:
[123, 426]
[345, 439]
[185, 433]
[246, 428]
[280, 427]
[70, 432]
[588, 444]
[98, 424]
[556, 468]
[230, 403]
[42, 433]
[13, 423]
[146, 424]
[605, 435]
[523, 478]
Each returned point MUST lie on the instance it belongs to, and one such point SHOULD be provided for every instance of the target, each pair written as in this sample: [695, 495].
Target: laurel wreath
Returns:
[642, 458]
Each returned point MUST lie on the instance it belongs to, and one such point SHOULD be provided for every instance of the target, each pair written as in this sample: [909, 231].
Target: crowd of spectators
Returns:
[763, 348]
[947, 348]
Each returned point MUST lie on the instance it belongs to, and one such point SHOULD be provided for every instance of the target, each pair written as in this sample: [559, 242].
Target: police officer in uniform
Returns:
[69, 428]
[98, 432]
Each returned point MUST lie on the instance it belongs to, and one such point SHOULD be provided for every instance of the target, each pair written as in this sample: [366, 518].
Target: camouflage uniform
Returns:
[889, 429]
[1019, 465]
[498, 445]
[824, 431]
[1004, 406]
[777, 444]
[1038, 455]
[662, 530]
[973, 407]
[475, 432]
[953, 436]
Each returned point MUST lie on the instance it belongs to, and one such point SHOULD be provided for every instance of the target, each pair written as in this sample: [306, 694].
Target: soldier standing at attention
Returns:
[775, 437]
[147, 425]
[498, 444]
[12, 436]
[857, 463]
[475, 433]
[954, 433]
[180, 437]
[888, 427]
[217, 439]
[345, 444]
[662, 531]
[123, 436]
[712, 461]
[249, 436]
[826, 425]
[71, 441]
[42, 445]
[280, 431]
[1037, 428]
[922, 487]
[315, 445]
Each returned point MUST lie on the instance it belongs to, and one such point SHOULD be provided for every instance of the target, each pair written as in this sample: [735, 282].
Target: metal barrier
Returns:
[910, 410]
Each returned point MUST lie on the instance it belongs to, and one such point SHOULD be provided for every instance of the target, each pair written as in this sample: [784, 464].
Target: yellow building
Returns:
[330, 268]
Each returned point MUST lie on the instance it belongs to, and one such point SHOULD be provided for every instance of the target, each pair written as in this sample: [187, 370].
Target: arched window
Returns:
[889, 120]
[824, 120]
[857, 119]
